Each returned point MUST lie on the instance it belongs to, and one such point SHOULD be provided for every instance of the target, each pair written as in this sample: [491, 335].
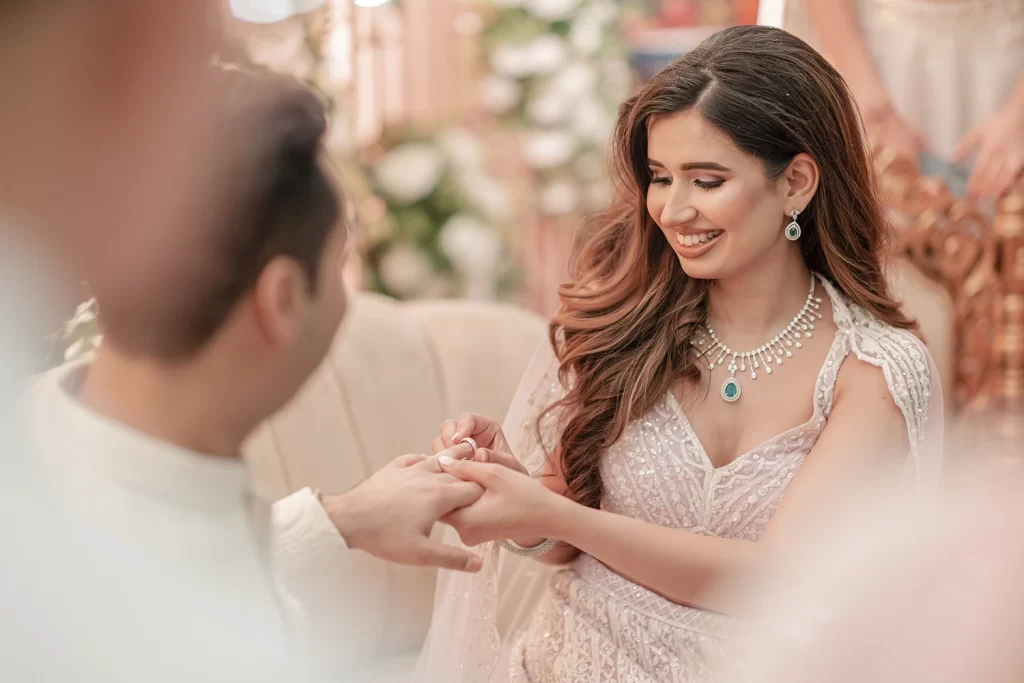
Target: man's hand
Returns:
[391, 514]
[512, 506]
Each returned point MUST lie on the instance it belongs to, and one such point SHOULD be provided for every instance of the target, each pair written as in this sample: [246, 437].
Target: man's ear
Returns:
[280, 297]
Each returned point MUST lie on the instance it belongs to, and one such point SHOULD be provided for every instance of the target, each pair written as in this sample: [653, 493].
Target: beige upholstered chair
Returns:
[395, 372]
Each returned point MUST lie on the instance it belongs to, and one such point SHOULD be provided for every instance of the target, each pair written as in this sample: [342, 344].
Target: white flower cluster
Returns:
[563, 87]
[470, 239]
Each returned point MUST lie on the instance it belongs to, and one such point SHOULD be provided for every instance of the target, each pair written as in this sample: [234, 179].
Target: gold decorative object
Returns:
[979, 259]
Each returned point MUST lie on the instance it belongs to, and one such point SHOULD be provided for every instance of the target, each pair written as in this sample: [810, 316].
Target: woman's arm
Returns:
[865, 435]
[842, 41]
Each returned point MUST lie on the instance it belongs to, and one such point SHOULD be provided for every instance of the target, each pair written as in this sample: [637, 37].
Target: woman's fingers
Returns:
[498, 458]
[448, 432]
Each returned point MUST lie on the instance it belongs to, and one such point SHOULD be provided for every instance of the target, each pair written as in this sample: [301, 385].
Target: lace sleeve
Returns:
[913, 381]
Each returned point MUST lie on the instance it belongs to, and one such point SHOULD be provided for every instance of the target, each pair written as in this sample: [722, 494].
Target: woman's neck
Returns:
[750, 308]
[173, 404]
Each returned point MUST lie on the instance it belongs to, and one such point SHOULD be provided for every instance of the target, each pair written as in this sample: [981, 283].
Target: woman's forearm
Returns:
[843, 42]
[679, 565]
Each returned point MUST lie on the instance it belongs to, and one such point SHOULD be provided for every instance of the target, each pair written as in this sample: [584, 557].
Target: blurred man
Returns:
[144, 441]
[112, 169]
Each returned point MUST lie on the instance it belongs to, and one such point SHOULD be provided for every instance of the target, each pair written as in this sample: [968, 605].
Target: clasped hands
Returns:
[512, 505]
[484, 493]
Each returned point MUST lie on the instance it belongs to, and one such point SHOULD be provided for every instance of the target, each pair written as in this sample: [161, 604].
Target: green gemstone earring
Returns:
[793, 229]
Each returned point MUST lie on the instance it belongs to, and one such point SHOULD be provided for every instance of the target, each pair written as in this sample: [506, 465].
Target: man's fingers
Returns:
[458, 495]
[407, 460]
[448, 557]
[437, 445]
[467, 470]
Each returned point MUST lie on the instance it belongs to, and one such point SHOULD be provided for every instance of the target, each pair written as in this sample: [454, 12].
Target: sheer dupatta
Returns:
[477, 616]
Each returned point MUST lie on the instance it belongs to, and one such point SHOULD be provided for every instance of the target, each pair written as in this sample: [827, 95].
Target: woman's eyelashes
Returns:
[704, 184]
[708, 184]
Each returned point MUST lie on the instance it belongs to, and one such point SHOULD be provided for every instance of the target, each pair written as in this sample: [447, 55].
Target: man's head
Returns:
[102, 121]
[253, 295]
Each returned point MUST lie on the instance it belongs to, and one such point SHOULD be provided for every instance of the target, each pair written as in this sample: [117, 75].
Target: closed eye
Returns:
[661, 181]
[708, 184]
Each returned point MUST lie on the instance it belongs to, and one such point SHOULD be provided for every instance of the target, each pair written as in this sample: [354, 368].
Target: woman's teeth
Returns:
[694, 240]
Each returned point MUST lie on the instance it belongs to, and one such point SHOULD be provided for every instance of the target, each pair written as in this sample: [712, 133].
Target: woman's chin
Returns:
[702, 268]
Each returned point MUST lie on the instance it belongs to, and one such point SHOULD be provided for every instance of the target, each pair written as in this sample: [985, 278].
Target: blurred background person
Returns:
[940, 82]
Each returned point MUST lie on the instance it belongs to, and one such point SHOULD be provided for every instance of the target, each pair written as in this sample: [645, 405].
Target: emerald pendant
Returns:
[793, 231]
[731, 390]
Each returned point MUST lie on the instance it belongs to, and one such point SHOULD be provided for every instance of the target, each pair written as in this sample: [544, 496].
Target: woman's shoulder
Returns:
[887, 358]
[877, 342]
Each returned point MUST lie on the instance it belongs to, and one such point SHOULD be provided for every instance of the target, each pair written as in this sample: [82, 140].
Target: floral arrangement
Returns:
[435, 218]
[557, 73]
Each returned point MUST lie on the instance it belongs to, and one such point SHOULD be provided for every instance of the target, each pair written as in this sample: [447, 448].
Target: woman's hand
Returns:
[513, 504]
[999, 142]
[493, 447]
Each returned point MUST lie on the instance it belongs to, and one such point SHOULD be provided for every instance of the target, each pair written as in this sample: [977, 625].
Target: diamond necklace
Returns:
[710, 346]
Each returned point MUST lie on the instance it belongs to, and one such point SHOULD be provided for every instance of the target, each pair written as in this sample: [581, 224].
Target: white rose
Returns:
[593, 121]
[498, 95]
[618, 77]
[546, 54]
[405, 270]
[463, 149]
[513, 60]
[474, 250]
[410, 172]
[551, 10]
[548, 109]
[586, 37]
[486, 194]
[549, 149]
[574, 81]
[559, 198]
[601, 12]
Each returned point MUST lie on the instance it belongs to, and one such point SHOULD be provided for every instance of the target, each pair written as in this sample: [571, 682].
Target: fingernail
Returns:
[474, 564]
[481, 455]
[446, 460]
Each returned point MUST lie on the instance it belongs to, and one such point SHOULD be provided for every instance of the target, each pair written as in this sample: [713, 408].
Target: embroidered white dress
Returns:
[591, 624]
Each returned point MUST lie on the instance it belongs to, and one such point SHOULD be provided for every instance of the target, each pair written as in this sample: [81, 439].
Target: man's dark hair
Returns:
[277, 200]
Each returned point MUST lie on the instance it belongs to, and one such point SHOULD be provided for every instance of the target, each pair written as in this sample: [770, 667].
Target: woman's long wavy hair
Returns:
[629, 310]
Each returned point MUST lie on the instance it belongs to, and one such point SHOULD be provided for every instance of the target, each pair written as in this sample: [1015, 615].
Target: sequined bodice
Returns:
[595, 625]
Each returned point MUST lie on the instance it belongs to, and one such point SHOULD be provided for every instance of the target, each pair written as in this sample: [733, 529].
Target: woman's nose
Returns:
[677, 214]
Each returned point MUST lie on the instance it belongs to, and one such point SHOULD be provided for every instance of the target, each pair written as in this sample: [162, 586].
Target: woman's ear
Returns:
[802, 178]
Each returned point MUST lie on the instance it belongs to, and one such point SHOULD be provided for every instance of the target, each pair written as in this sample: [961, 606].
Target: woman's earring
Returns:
[793, 229]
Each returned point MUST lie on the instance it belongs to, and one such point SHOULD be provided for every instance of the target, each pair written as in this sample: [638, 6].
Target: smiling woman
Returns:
[656, 491]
